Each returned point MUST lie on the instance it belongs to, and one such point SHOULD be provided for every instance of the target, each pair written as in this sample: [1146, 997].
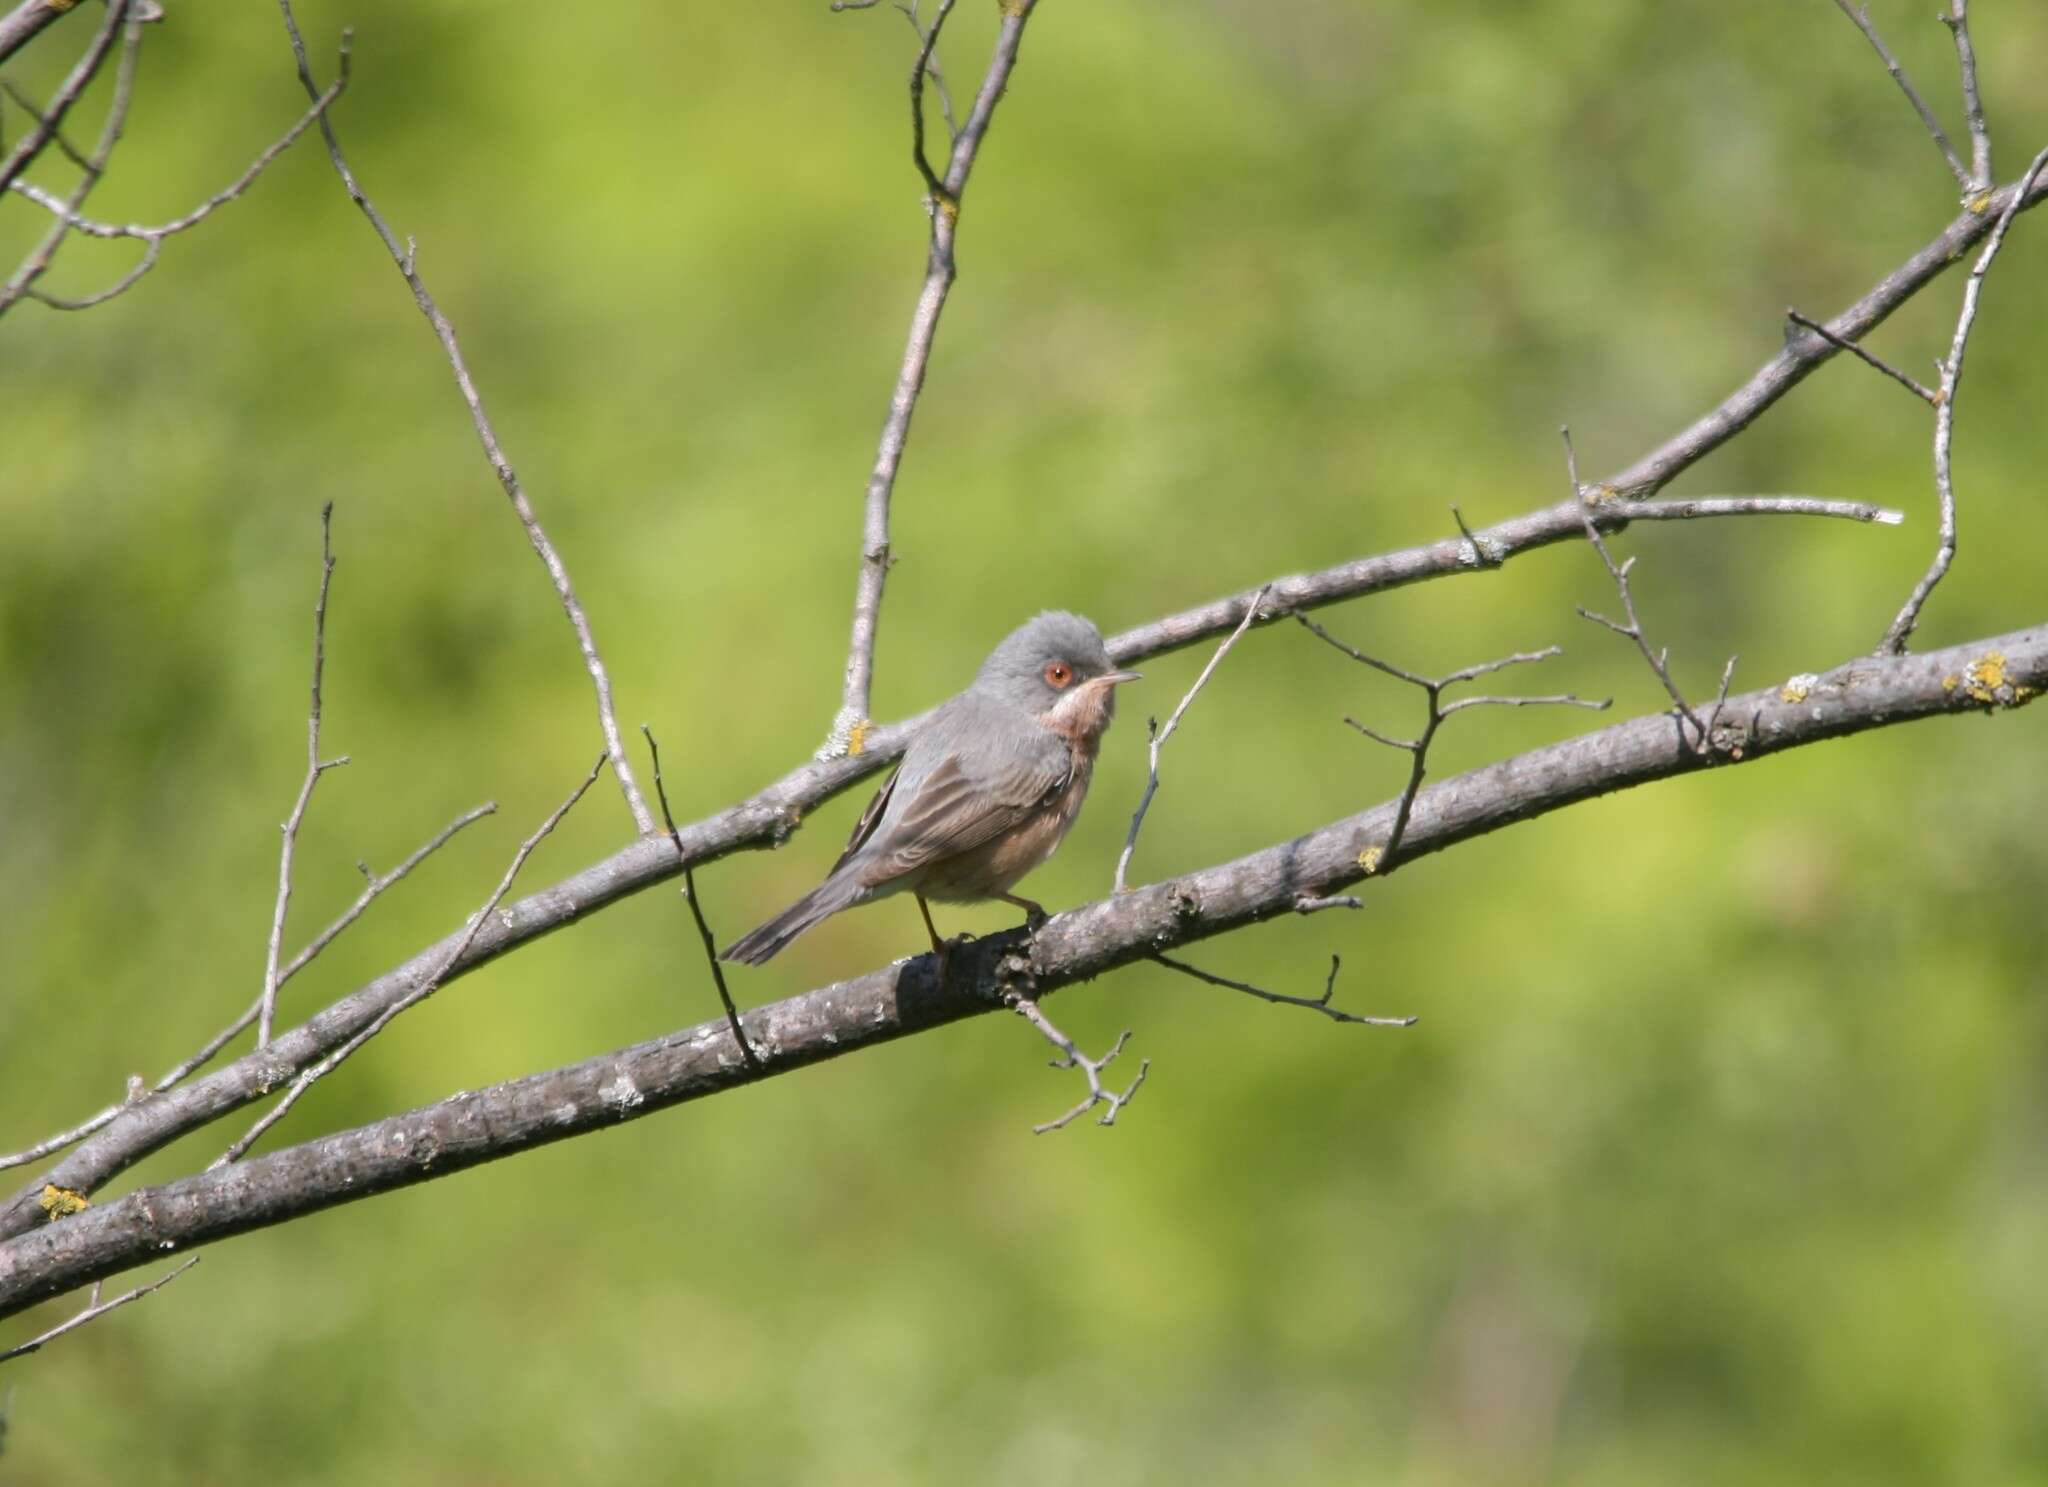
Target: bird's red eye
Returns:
[1058, 674]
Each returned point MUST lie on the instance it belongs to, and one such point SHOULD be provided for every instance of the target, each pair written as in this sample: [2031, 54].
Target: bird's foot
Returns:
[1034, 913]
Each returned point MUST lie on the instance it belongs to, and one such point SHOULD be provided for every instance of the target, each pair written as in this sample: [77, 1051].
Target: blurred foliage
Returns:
[1718, 1154]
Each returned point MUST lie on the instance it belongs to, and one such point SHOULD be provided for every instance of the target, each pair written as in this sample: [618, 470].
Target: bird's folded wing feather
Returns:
[969, 798]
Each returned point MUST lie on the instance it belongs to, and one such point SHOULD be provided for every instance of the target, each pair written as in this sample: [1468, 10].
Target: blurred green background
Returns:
[1721, 1150]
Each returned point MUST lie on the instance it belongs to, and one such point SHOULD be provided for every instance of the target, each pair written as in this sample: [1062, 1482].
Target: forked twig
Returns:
[1902, 626]
[95, 1310]
[1314, 1004]
[1091, 1068]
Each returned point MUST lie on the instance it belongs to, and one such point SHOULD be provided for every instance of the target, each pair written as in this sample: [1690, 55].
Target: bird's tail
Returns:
[765, 941]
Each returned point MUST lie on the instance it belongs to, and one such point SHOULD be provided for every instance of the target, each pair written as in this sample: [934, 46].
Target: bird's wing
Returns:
[994, 779]
[870, 818]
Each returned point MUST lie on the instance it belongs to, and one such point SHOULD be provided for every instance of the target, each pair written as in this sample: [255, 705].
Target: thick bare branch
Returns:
[765, 818]
[907, 997]
[851, 725]
[1908, 617]
[406, 258]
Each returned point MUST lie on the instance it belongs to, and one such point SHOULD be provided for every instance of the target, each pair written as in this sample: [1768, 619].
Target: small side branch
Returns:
[94, 1312]
[1658, 660]
[1908, 617]
[1913, 385]
[1314, 1004]
[1958, 22]
[944, 189]
[406, 258]
[1382, 858]
[1071, 1057]
[1861, 16]
[152, 237]
[1159, 736]
[311, 1076]
[315, 767]
[732, 1014]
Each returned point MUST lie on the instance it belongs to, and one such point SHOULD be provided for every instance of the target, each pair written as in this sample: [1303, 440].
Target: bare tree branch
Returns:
[1071, 1057]
[95, 166]
[315, 767]
[1312, 1003]
[50, 118]
[851, 725]
[899, 999]
[406, 258]
[1159, 736]
[425, 989]
[372, 889]
[94, 1312]
[1860, 14]
[766, 818]
[732, 1015]
[1945, 422]
[770, 815]
[1958, 22]
[1658, 661]
[153, 238]
[1913, 385]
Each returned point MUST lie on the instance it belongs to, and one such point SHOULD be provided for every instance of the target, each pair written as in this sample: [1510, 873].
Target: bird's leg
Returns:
[1034, 914]
[940, 948]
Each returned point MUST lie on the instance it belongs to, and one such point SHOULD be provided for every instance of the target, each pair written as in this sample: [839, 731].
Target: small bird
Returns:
[983, 794]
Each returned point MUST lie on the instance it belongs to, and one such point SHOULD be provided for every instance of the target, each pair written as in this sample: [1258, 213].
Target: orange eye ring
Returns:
[1058, 674]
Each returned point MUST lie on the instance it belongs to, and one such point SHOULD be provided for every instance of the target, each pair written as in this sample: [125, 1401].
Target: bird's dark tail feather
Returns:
[766, 941]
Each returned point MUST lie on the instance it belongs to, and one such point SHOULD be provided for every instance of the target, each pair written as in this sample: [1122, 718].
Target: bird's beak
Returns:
[1111, 678]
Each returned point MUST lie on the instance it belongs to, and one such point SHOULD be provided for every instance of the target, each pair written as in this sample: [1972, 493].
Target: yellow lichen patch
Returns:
[1798, 689]
[1979, 204]
[60, 6]
[1950, 682]
[61, 1203]
[1369, 859]
[1986, 675]
[857, 736]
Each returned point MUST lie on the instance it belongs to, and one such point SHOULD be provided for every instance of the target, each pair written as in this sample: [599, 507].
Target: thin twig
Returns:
[929, 41]
[1091, 1068]
[732, 1013]
[152, 237]
[1659, 661]
[1159, 736]
[1860, 15]
[405, 258]
[95, 1310]
[1908, 617]
[34, 110]
[1433, 688]
[850, 725]
[908, 8]
[372, 889]
[1312, 1003]
[1958, 22]
[315, 767]
[1919, 389]
[95, 167]
[311, 1076]
[50, 118]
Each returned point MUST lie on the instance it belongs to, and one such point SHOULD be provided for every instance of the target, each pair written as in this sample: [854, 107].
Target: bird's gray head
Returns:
[1055, 667]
